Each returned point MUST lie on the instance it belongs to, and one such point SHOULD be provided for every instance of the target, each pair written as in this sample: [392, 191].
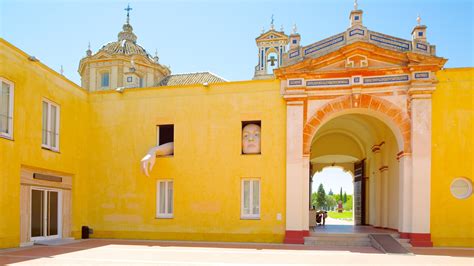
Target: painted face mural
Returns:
[251, 139]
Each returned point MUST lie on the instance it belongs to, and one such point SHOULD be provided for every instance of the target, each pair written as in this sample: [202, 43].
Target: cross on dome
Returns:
[418, 20]
[127, 32]
[128, 9]
[356, 6]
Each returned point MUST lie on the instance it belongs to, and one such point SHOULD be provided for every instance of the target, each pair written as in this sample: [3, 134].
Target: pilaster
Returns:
[420, 104]
[378, 186]
[297, 174]
[405, 193]
[384, 178]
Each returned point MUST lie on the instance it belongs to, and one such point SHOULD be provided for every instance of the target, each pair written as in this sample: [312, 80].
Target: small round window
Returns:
[461, 188]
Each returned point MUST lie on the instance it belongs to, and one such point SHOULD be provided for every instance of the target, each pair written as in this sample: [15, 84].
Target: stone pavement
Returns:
[143, 252]
[330, 220]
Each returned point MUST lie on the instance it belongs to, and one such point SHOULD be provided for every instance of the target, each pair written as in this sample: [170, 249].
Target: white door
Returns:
[45, 214]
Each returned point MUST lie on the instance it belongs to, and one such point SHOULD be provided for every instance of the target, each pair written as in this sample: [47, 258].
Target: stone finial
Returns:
[88, 51]
[62, 70]
[282, 29]
[356, 6]
[295, 29]
[263, 30]
[419, 31]
[156, 58]
[272, 26]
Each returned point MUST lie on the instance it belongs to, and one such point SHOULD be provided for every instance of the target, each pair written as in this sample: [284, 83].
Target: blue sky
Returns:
[219, 36]
[334, 178]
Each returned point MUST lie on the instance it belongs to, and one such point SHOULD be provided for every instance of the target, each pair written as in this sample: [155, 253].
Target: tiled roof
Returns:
[191, 78]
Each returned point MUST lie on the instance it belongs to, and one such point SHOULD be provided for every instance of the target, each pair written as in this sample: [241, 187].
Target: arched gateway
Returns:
[366, 73]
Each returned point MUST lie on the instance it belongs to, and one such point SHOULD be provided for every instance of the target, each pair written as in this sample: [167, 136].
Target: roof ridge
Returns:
[200, 72]
[214, 74]
[188, 73]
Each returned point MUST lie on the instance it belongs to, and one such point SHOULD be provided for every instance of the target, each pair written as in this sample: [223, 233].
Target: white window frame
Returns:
[48, 144]
[9, 135]
[167, 214]
[251, 216]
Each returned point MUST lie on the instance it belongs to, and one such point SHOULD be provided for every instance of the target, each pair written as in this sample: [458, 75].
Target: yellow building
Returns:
[376, 105]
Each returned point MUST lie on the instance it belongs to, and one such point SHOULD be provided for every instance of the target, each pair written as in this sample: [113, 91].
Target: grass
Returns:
[346, 215]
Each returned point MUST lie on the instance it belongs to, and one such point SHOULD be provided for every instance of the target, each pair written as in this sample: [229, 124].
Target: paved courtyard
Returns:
[131, 252]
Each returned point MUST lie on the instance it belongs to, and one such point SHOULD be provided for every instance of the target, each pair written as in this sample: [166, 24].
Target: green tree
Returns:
[330, 192]
[345, 197]
[321, 197]
[313, 199]
[340, 195]
[330, 202]
[348, 205]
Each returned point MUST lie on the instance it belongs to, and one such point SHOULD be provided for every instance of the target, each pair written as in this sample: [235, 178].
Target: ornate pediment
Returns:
[272, 35]
[358, 57]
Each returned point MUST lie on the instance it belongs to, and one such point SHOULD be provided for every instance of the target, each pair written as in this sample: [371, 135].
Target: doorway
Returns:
[45, 213]
[332, 195]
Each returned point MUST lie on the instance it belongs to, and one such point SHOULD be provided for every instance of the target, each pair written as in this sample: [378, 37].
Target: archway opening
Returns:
[367, 148]
[272, 60]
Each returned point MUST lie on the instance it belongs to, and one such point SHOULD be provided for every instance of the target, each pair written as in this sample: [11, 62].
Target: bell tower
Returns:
[271, 47]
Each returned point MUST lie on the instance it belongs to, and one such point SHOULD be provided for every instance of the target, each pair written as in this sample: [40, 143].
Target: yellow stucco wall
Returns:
[33, 81]
[207, 166]
[104, 135]
[452, 220]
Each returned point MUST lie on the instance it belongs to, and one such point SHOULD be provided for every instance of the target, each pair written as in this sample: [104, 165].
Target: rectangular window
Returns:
[104, 80]
[50, 135]
[141, 83]
[129, 79]
[356, 17]
[250, 205]
[164, 199]
[165, 134]
[420, 33]
[6, 108]
[251, 137]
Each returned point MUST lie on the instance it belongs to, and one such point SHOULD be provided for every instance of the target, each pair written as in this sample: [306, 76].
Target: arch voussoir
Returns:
[394, 113]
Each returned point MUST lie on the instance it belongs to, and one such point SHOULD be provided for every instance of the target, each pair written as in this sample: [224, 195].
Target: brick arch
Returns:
[395, 116]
